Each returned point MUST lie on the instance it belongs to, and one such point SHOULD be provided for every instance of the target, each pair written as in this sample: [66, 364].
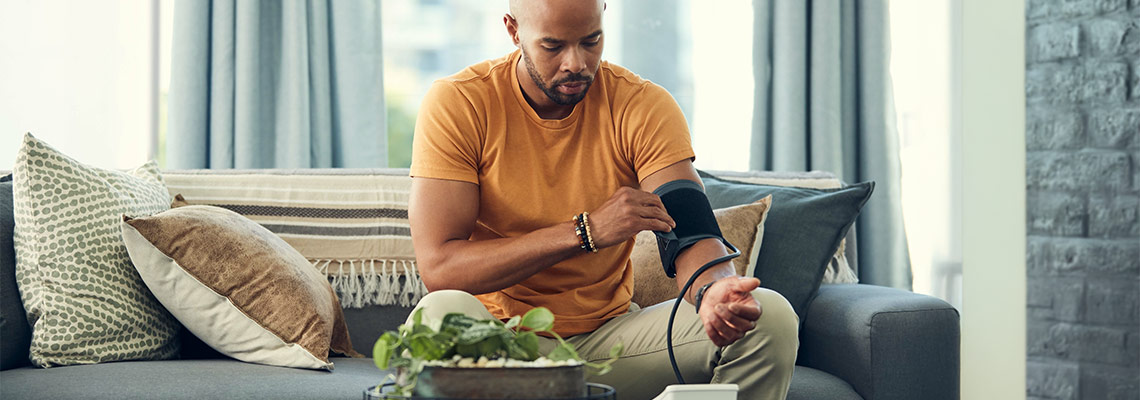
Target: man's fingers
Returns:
[657, 211]
[652, 224]
[721, 327]
[746, 311]
[733, 318]
[745, 284]
[720, 333]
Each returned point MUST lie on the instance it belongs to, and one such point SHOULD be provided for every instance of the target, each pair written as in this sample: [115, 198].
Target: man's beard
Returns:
[551, 93]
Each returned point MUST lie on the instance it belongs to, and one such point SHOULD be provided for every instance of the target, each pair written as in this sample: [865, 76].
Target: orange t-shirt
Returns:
[476, 126]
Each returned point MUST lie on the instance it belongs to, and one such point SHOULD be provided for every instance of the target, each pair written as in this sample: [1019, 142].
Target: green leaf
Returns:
[528, 342]
[468, 350]
[599, 369]
[564, 351]
[418, 316]
[616, 351]
[606, 366]
[421, 329]
[425, 347]
[384, 348]
[513, 322]
[492, 347]
[456, 323]
[478, 333]
[515, 351]
[380, 353]
[538, 319]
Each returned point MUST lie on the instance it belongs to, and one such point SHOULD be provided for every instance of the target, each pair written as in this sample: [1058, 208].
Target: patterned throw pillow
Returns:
[742, 225]
[238, 287]
[84, 299]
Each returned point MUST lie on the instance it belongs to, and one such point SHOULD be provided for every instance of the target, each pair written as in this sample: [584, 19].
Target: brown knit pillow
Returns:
[741, 225]
[238, 287]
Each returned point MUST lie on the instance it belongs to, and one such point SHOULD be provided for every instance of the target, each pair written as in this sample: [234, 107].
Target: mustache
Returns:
[574, 78]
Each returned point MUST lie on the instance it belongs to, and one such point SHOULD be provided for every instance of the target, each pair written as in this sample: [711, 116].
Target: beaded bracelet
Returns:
[582, 229]
[589, 237]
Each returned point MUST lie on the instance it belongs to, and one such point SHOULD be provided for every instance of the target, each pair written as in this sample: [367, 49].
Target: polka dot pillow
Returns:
[85, 300]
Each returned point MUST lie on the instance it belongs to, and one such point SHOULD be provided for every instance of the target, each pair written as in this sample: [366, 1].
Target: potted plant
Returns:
[468, 358]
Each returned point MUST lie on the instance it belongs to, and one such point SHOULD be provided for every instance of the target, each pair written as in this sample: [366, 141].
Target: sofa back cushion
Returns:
[15, 333]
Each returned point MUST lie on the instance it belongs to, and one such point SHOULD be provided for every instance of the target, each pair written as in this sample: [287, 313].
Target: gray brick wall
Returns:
[1082, 88]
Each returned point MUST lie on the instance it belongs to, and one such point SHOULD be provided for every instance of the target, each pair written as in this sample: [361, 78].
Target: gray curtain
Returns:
[276, 84]
[823, 102]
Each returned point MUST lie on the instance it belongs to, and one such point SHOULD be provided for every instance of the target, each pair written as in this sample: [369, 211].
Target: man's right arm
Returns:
[442, 214]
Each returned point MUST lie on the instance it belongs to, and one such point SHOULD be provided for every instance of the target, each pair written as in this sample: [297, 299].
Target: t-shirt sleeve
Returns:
[448, 134]
[656, 131]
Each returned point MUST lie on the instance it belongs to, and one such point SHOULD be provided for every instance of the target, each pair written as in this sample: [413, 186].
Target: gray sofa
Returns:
[857, 342]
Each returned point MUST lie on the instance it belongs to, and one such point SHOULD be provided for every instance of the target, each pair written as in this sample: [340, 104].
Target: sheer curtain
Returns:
[272, 84]
[823, 101]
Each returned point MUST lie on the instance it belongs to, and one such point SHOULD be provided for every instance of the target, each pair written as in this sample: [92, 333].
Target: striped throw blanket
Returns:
[351, 224]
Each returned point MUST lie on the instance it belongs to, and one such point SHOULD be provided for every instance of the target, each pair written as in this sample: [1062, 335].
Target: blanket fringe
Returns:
[363, 283]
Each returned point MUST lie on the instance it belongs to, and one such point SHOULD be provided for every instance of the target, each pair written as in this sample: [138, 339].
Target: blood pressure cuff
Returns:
[686, 203]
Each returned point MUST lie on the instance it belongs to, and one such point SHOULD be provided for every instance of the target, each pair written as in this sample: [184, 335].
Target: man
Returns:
[507, 151]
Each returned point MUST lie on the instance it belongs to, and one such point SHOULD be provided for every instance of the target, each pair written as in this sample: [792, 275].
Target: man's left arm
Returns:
[728, 309]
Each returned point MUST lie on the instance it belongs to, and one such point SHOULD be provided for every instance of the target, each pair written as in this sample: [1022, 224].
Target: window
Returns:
[81, 76]
[921, 51]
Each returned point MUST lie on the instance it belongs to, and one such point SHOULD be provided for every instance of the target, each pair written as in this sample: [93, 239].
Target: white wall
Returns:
[79, 75]
[992, 111]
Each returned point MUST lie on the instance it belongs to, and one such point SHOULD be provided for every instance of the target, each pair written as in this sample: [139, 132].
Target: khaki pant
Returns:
[761, 362]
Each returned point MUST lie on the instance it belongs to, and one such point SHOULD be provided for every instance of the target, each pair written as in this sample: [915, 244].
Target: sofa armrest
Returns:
[887, 343]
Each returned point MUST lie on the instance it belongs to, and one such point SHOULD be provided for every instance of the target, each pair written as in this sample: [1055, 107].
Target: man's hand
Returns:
[728, 309]
[627, 212]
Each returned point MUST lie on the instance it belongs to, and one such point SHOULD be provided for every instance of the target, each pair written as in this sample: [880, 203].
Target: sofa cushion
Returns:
[238, 287]
[742, 225]
[813, 384]
[14, 330]
[803, 230]
[841, 268]
[84, 299]
[351, 224]
[191, 379]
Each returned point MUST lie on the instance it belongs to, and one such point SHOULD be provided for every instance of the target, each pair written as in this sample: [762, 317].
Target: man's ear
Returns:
[512, 28]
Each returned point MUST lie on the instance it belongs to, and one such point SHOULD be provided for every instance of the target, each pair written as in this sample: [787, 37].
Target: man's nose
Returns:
[575, 60]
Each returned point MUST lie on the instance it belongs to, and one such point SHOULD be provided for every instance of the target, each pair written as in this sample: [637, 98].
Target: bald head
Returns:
[531, 11]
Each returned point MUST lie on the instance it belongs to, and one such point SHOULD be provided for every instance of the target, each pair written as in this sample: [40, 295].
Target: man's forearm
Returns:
[483, 266]
[697, 255]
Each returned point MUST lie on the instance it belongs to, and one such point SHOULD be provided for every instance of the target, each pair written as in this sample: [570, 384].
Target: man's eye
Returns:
[552, 49]
[590, 44]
